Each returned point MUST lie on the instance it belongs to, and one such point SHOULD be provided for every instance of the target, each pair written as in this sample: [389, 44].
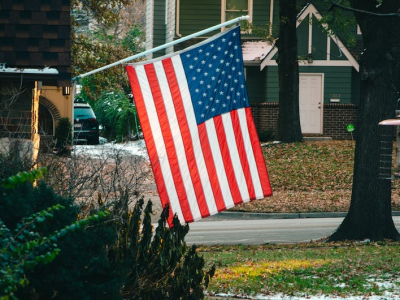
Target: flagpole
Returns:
[196, 34]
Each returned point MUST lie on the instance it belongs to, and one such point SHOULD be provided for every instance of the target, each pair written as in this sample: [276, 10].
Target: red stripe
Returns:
[230, 173]
[242, 153]
[186, 137]
[169, 142]
[258, 155]
[210, 165]
[149, 140]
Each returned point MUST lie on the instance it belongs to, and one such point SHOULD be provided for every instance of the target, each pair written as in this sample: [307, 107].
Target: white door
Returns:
[310, 100]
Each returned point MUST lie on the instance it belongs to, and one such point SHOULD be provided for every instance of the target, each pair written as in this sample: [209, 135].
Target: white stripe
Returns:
[219, 163]
[235, 158]
[159, 141]
[194, 132]
[250, 154]
[177, 138]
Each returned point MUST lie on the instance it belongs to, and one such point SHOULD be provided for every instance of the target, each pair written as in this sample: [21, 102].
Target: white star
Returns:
[242, 86]
[230, 43]
[223, 72]
[225, 84]
[212, 45]
[217, 70]
[217, 101]
[204, 95]
[200, 50]
[231, 55]
[191, 67]
[221, 61]
[210, 65]
[203, 62]
[238, 93]
[208, 54]
[223, 40]
[202, 115]
[207, 107]
[213, 78]
[213, 109]
[205, 74]
[208, 86]
[197, 90]
[234, 101]
[214, 57]
[233, 68]
[234, 34]
[200, 103]
[219, 48]
[188, 55]
[235, 80]
[239, 73]
[193, 78]
[212, 98]
[219, 81]
[198, 70]
[195, 58]
[229, 76]
[224, 105]
[201, 81]
[226, 52]
[237, 59]
[232, 88]
[227, 64]
[236, 46]
[221, 92]
[228, 97]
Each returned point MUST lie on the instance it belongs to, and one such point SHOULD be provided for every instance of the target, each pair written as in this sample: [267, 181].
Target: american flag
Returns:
[198, 128]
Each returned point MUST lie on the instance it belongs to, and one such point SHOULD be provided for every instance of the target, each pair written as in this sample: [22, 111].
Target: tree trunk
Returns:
[289, 129]
[369, 216]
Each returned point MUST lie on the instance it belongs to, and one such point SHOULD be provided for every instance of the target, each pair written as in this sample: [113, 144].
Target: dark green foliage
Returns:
[81, 270]
[63, 135]
[162, 267]
[26, 245]
[117, 115]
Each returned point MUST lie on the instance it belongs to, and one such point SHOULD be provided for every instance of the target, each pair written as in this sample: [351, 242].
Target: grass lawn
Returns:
[340, 269]
[310, 177]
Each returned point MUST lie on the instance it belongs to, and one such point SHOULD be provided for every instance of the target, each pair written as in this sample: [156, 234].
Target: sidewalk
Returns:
[227, 215]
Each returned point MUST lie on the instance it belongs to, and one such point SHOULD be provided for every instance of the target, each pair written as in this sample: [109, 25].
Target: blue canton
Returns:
[215, 75]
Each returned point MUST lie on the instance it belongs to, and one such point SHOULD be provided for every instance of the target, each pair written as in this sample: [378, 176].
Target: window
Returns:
[232, 9]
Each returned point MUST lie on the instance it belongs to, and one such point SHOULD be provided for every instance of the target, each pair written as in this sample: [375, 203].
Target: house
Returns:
[35, 61]
[329, 81]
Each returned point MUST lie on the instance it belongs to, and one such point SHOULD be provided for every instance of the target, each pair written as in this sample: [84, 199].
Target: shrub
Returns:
[24, 248]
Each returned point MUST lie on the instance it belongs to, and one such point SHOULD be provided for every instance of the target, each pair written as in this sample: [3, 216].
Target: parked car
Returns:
[86, 126]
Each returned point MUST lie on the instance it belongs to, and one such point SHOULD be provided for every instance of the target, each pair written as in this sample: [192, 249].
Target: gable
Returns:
[326, 50]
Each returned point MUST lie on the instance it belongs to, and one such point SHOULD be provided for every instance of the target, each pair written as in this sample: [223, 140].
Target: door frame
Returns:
[322, 75]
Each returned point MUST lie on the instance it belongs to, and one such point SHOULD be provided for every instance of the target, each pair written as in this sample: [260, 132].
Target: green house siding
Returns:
[198, 15]
[159, 28]
[255, 84]
[337, 83]
[261, 11]
[302, 39]
[319, 41]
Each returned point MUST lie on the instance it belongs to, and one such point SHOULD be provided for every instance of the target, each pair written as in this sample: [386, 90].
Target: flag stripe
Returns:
[242, 153]
[187, 160]
[216, 182]
[166, 135]
[150, 142]
[259, 157]
[254, 173]
[219, 163]
[227, 162]
[235, 157]
[207, 181]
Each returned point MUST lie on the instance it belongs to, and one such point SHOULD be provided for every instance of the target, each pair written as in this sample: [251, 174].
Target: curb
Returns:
[226, 216]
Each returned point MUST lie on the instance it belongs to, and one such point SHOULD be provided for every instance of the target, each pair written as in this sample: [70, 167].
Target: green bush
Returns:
[161, 266]
[117, 116]
[81, 269]
[25, 247]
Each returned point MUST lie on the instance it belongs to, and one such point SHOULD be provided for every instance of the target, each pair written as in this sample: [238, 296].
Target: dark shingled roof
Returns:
[36, 34]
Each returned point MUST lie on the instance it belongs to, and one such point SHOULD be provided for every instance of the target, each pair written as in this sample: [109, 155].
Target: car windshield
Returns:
[83, 112]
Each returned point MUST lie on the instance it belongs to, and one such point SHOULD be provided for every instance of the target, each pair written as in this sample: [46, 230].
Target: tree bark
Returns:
[289, 129]
[370, 215]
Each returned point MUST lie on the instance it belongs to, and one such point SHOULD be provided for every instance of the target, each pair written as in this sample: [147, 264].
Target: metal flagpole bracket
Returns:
[196, 34]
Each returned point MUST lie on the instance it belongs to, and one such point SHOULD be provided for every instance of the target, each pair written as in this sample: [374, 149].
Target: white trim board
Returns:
[310, 11]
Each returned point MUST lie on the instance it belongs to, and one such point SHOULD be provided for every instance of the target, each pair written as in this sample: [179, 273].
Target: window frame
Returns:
[223, 11]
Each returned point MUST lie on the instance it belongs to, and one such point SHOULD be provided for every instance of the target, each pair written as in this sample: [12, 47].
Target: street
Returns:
[258, 232]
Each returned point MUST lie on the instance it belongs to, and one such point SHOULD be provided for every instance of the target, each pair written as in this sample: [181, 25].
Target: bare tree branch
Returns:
[363, 11]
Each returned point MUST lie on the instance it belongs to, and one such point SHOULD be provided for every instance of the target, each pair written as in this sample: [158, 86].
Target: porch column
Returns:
[35, 137]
